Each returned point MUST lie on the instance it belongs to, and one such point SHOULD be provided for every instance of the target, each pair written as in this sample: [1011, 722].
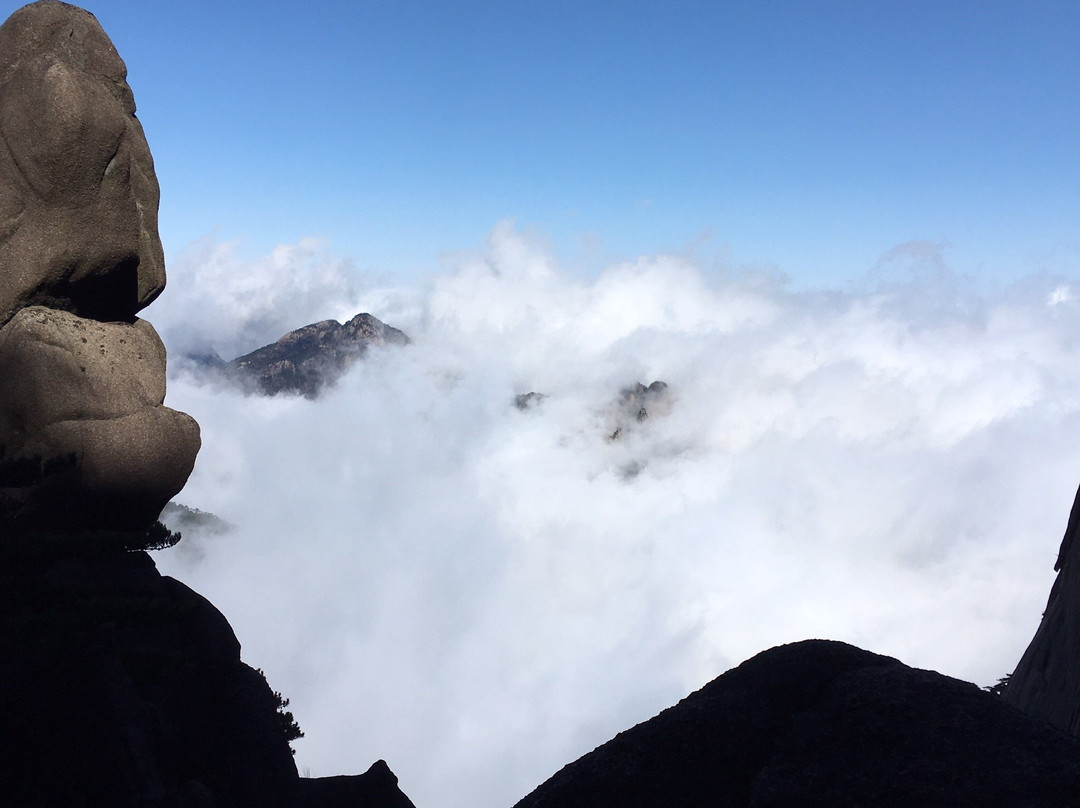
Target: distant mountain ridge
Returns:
[313, 357]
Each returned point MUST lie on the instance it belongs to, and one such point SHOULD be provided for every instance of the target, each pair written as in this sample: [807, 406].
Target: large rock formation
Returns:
[118, 686]
[85, 441]
[311, 358]
[1046, 682]
[821, 723]
[78, 194]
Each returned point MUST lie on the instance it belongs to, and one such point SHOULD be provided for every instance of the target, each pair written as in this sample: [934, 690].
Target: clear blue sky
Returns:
[810, 135]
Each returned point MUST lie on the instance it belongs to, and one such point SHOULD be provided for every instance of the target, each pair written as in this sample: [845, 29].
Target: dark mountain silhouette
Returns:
[1046, 682]
[821, 723]
[122, 687]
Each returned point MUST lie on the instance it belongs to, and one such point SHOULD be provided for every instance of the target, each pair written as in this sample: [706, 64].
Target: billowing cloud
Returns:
[217, 301]
[480, 593]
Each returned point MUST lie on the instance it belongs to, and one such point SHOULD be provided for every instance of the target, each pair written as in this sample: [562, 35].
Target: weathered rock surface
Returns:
[311, 358]
[78, 193]
[821, 723]
[85, 441]
[70, 368]
[93, 392]
[1046, 682]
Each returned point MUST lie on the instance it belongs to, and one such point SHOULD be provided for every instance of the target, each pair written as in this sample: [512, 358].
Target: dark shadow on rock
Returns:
[124, 687]
[1046, 682]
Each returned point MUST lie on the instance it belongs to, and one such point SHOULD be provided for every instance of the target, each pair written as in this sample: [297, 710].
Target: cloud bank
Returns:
[479, 593]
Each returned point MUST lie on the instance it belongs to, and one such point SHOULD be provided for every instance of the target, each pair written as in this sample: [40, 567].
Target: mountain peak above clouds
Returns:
[311, 358]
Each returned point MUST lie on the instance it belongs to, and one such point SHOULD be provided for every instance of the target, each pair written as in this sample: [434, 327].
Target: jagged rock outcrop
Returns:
[635, 404]
[1046, 682]
[638, 396]
[526, 401]
[821, 723]
[309, 359]
[85, 441]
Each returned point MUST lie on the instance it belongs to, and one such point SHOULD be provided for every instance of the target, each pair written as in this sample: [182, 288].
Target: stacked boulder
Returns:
[85, 440]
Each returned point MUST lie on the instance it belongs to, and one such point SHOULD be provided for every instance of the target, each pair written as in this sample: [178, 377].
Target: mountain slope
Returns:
[824, 723]
[311, 358]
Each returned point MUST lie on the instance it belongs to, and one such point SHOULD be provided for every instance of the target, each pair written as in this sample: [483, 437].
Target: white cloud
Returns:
[480, 594]
[1061, 294]
[218, 301]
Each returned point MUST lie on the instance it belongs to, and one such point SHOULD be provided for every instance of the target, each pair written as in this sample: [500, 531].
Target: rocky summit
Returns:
[309, 359]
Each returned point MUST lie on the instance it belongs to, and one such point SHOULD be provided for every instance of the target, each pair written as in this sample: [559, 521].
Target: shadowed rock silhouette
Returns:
[1046, 682]
[821, 723]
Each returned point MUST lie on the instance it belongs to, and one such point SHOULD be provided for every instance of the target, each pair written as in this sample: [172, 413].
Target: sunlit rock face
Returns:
[85, 441]
[78, 194]
[1046, 683]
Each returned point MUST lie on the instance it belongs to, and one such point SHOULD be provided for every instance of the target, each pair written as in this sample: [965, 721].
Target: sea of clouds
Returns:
[480, 593]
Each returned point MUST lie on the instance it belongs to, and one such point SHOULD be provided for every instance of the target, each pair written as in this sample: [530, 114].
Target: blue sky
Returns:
[808, 136]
